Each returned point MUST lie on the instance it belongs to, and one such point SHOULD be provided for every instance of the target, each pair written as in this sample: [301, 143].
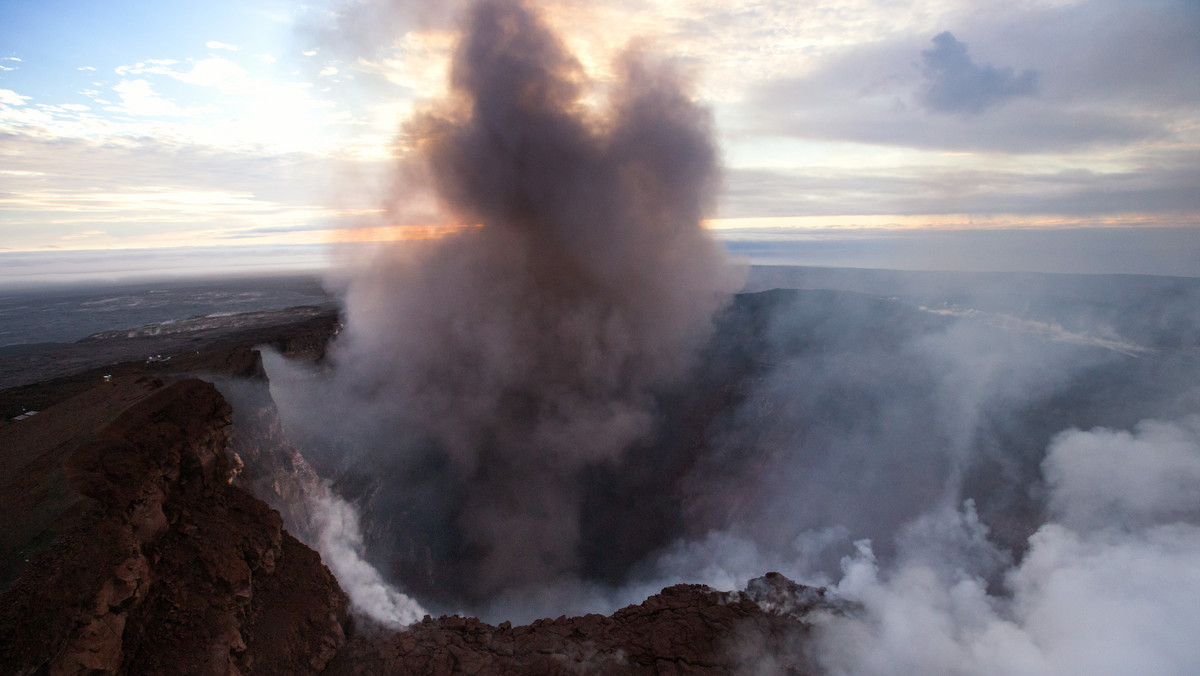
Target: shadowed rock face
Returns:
[689, 629]
[171, 569]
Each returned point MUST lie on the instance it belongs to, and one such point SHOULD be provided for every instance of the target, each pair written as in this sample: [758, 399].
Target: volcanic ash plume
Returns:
[525, 349]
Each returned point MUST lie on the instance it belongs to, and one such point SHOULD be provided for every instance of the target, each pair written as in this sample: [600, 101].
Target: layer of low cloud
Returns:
[1131, 249]
[152, 191]
[34, 269]
[1160, 183]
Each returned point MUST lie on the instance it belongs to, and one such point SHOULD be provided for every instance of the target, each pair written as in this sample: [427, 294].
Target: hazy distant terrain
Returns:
[54, 332]
[66, 313]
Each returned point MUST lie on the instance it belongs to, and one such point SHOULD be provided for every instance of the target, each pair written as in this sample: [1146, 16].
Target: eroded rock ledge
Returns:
[685, 629]
[172, 569]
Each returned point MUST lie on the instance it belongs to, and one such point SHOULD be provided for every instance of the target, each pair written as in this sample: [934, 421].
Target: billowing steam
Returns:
[916, 467]
[338, 536]
[1109, 587]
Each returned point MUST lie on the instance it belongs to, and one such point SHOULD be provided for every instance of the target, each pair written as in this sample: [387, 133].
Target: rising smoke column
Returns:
[530, 347]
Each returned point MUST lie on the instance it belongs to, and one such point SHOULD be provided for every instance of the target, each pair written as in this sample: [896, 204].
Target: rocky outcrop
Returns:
[777, 595]
[686, 629]
[266, 463]
[172, 570]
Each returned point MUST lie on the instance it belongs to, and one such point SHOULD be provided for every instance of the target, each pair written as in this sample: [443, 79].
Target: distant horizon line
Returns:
[188, 265]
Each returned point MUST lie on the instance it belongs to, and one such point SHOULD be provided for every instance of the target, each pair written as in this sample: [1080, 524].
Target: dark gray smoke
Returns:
[505, 359]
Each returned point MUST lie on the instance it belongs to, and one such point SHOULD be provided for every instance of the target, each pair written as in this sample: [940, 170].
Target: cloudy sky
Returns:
[1051, 135]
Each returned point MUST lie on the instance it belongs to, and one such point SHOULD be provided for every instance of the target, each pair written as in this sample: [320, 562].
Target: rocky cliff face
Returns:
[266, 463]
[172, 569]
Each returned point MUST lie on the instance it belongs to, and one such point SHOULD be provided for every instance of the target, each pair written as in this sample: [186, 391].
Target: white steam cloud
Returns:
[1106, 478]
[339, 540]
[1112, 586]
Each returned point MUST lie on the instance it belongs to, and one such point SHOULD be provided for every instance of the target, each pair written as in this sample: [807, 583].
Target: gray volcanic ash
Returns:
[509, 357]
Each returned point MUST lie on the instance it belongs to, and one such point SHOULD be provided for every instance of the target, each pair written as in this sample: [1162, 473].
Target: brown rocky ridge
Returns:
[685, 629]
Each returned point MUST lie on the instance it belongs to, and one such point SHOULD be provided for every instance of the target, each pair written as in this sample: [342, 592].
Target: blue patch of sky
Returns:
[54, 39]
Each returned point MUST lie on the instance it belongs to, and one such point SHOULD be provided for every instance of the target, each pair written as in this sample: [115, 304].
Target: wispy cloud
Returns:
[155, 192]
[215, 72]
[956, 84]
[86, 234]
[148, 66]
[10, 98]
[1157, 183]
[213, 44]
[208, 102]
[139, 98]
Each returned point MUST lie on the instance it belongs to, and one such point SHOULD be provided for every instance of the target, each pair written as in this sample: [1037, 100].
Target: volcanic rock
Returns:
[171, 569]
[685, 629]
